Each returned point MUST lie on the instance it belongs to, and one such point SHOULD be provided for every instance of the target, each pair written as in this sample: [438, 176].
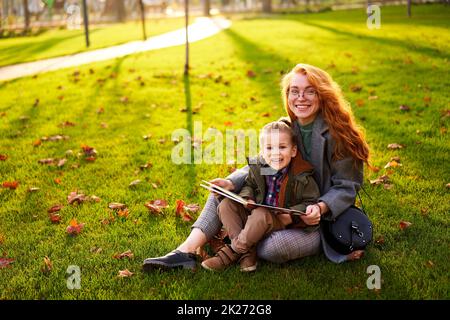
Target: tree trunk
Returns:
[26, 13]
[115, 8]
[206, 7]
[267, 6]
[409, 8]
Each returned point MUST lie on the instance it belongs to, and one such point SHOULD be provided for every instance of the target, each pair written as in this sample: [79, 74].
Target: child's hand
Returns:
[224, 183]
[250, 205]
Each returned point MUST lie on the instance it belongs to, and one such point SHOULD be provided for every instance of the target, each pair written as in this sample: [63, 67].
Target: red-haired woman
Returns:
[330, 140]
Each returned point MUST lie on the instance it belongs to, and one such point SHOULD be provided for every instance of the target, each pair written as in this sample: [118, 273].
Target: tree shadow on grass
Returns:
[260, 61]
[21, 52]
[413, 47]
[191, 166]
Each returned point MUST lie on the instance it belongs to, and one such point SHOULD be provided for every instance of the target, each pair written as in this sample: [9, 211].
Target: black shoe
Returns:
[174, 259]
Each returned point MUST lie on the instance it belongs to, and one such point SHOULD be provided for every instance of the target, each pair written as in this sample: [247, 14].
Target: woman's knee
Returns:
[273, 248]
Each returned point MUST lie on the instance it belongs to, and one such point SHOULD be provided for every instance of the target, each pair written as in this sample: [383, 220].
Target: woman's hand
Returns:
[312, 216]
[224, 183]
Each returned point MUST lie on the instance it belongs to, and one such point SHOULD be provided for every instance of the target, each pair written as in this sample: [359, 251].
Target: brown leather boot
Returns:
[224, 258]
[249, 261]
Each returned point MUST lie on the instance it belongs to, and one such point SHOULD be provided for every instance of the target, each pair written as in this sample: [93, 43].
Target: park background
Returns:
[78, 142]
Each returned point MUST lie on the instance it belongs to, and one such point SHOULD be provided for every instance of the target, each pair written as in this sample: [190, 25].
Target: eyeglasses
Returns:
[308, 93]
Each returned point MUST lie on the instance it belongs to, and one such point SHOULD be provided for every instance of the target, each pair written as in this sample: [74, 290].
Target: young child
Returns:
[279, 177]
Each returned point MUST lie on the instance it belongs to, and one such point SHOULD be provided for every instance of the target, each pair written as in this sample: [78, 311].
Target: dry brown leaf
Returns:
[123, 213]
[380, 180]
[94, 198]
[116, 205]
[388, 186]
[88, 151]
[125, 273]
[187, 217]
[55, 208]
[134, 183]
[126, 254]
[66, 124]
[404, 107]
[392, 164]
[156, 206]
[405, 224]
[146, 166]
[394, 146]
[251, 74]
[61, 162]
[356, 87]
[5, 262]
[47, 266]
[54, 217]
[380, 240]
[75, 197]
[96, 250]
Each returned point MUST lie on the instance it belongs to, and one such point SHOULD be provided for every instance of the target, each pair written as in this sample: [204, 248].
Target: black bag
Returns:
[352, 230]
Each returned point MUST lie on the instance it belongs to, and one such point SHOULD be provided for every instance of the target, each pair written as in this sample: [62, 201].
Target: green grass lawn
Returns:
[53, 43]
[406, 62]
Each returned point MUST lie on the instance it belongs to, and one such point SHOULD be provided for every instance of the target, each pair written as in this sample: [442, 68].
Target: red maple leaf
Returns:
[54, 217]
[10, 184]
[74, 227]
[180, 208]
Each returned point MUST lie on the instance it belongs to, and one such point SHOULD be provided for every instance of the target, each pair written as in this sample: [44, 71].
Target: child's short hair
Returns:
[281, 127]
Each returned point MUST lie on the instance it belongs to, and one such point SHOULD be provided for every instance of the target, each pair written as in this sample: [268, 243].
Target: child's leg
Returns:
[260, 223]
[233, 216]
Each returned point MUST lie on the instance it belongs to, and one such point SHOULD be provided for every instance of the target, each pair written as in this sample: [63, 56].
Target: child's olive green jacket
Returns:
[298, 188]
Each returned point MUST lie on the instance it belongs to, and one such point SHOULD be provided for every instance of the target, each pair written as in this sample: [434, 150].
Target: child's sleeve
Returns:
[248, 190]
[310, 195]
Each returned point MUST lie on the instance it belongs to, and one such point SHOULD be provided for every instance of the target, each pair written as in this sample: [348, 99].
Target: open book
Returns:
[230, 195]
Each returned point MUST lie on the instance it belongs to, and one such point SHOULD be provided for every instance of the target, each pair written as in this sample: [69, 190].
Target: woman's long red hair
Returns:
[349, 137]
